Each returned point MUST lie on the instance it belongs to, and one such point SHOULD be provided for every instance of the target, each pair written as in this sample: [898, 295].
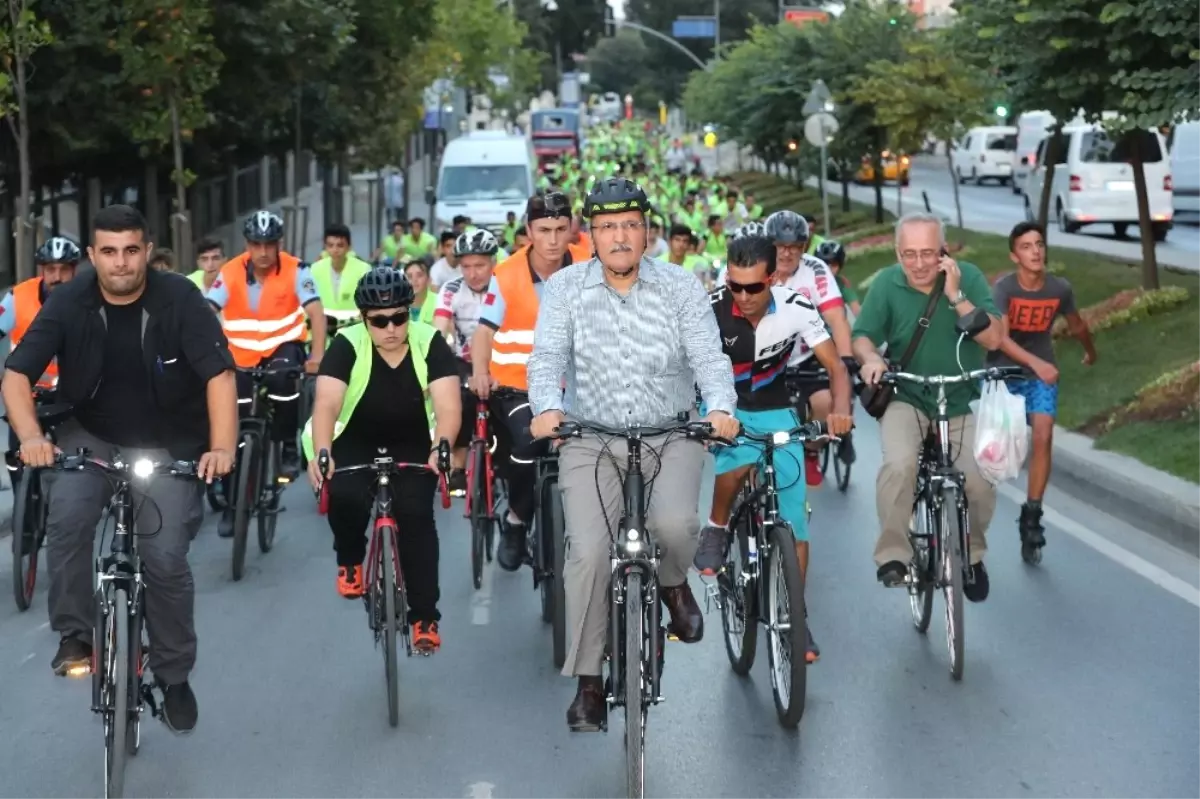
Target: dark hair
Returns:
[459, 220]
[732, 194]
[119, 219]
[338, 231]
[416, 219]
[521, 231]
[417, 262]
[679, 230]
[751, 251]
[164, 256]
[713, 219]
[655, 224]
[1020, 229]
[208, 245]
[447, 235]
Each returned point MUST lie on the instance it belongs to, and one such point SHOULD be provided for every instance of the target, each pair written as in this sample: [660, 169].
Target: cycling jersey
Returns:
[814, 279]
[456, 301]
[760, 354]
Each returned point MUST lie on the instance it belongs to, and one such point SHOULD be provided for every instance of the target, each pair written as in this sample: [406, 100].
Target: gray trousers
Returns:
[672, 517]
[76, 501]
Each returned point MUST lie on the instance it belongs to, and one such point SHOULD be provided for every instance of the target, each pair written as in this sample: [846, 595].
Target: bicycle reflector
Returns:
[143, 468]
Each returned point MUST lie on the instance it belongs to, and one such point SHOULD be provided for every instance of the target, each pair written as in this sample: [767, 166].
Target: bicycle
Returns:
[939, 532]
[257, 482]
[634, 621]
[804, 380]
[385, 598]
[119, 692]
[483, 486]
[29, 503]
[548, 552]
[763, 545]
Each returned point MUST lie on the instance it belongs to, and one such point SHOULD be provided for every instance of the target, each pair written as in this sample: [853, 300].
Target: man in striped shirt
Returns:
[632, 336]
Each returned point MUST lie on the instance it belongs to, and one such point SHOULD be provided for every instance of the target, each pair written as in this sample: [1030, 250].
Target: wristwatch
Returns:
[959, 298]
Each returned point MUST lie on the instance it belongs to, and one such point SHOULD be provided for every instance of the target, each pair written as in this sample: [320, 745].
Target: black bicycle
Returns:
[385, 598]
[548, 551]
[939, 532]
[634, 621]
[803, 380]
[119, 690]
[761, 581]
[258, 481]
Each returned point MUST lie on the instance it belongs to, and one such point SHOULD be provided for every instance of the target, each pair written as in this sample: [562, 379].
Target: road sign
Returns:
[694, 28]
[819, 129]
[801, 16]
[819, 99]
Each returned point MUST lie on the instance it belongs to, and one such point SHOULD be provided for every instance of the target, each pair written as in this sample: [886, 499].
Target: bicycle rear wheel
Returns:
[923, 530]
[28, 529]
[268, 515]
[786, 625]
[952, 578]
[635, 693]
[739, 605]
[386, 584]
[245, 497]
[115, 692]
[480, 512]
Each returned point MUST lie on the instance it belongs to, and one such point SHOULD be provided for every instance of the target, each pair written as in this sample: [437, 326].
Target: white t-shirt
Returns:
[442, 272]
[659, 249]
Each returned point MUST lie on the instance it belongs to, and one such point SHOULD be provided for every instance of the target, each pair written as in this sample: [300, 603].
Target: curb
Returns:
[1155, 502]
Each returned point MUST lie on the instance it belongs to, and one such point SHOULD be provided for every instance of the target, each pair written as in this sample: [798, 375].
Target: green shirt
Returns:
[849, 293]
[415, 248]
[756, 212]
[889, 316]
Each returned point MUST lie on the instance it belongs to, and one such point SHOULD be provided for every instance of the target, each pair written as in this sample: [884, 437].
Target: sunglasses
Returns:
[398, 319]
[746, 288]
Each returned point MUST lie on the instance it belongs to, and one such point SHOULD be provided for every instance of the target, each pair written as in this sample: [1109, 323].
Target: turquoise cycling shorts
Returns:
[789, 463]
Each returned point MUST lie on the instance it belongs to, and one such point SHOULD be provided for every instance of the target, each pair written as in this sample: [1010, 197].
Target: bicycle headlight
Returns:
[781, 438]
[143, 468]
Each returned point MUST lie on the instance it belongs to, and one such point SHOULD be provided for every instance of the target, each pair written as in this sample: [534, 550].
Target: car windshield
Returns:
[500, 182]
[1096, 147]
[1002, 141]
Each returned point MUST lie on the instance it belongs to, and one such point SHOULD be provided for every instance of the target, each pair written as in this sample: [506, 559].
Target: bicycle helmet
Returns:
[476, 242]
[832, 252]
[786, 227]
[747, 230]
[58, 250]
[263, 226]
[614, 196]
[383, 287]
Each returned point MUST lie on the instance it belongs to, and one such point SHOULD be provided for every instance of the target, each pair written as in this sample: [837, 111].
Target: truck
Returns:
[555, 132]
[570, 91]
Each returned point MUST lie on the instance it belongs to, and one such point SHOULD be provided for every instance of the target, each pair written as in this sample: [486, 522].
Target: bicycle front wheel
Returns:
[245, 497]
[952, 578]
[923, 530]
[480, 512]
[115, 692]
[386, 584]
[635, 691]
[841, 468]
[268, 515]
[739, 608]
[27, 532]
[787, 626]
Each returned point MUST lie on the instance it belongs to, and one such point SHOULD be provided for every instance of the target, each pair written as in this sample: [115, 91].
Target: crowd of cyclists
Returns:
[403, 344]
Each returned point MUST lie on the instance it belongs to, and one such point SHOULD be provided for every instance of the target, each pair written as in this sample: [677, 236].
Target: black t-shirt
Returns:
[391, 413]
[122, 410]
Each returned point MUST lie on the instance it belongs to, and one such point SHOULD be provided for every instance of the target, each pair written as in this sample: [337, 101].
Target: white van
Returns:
[1093, 183]
[985, 153]
[1185, 169]
[1032, 128]
[483, 175]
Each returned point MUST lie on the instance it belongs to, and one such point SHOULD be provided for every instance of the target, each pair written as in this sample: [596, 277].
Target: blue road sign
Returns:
[694, 28]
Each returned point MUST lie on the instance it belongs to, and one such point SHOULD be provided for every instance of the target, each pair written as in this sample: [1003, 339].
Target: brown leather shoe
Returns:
[687, 622]
[589, 711]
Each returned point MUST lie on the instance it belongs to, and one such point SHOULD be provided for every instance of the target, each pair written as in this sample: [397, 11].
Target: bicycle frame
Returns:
[481, 439]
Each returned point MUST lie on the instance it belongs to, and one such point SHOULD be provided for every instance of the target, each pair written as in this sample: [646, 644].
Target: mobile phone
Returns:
[944, 253]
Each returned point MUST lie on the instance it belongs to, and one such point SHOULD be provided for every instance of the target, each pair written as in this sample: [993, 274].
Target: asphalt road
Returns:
[1082, 679]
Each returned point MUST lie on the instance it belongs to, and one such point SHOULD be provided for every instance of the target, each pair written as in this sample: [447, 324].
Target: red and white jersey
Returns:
[815, 280]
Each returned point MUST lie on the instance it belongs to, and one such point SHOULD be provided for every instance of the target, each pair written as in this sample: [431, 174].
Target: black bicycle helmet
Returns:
[786, 227]
[614, 196]
[383, 287]
[58, 250]
[476, 242]
[831, 252]
[263, 226]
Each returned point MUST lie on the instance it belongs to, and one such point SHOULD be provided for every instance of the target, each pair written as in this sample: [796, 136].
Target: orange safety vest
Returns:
[513, 343]
[280, 318]
[27, 301]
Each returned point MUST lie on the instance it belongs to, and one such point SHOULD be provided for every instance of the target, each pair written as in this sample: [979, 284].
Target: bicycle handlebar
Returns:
[259, 372]
[988, 373]
[576, 429]
[141, 468]
[385, 465]
[812, 431]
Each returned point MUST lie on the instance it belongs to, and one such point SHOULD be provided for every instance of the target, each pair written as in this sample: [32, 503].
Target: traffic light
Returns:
[892, 21]
[1002, 111]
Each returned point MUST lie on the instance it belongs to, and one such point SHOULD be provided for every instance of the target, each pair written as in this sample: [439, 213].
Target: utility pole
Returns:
[717, 30]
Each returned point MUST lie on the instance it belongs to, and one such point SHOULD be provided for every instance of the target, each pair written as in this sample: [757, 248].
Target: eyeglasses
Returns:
[611, 227]
[746, 288]
[398, 319]
[924, 255]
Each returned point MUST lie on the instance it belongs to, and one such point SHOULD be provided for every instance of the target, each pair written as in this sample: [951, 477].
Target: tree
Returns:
[168, 55]
[24, 35]
[613, 59]
[931, 91]
[560, 30]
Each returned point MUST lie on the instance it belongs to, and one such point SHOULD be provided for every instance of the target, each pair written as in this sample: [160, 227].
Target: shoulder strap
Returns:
[923, 322]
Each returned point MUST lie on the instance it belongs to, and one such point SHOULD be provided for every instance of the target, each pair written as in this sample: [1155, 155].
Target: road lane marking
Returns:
[480, 790]
[1114, 552]
[28, 658]
[481, 605]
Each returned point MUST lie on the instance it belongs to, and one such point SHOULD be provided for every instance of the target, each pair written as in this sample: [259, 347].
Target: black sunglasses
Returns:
[746, 288]
[398, 319]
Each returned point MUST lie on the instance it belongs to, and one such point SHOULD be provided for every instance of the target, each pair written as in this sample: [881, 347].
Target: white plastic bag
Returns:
[1001, 433]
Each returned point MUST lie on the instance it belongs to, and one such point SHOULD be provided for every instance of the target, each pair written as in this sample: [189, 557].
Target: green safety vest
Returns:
[756, 212]
[390, 246]
[197, 277]
[414, 248]
[340, 304]
[715, 245]
[420, 336]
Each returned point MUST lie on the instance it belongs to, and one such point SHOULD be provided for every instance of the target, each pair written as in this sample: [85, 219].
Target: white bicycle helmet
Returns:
[58, 250]
[476, 242]
[263, 226]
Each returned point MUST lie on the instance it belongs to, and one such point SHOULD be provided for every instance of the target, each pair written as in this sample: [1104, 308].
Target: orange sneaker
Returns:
[425, 637]
[350, 581]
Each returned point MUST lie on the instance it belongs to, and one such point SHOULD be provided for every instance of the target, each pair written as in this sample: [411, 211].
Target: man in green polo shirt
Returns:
[336, 275]
[895, 302]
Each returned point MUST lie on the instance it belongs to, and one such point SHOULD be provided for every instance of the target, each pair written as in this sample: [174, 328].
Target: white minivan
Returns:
[985, 154]
[1032, 128]
[483, 175]
[1093, 182]
[1185, 169]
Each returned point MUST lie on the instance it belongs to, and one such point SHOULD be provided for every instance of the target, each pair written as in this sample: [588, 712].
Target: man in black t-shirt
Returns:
[146, 369]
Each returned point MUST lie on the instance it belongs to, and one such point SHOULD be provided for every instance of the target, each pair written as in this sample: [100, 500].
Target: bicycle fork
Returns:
[653, 637]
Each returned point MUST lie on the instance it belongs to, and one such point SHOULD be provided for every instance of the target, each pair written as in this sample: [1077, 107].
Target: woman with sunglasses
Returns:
[387, 386]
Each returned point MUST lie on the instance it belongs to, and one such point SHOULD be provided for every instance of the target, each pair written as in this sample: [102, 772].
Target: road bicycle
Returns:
[385, 598]
[484, 487]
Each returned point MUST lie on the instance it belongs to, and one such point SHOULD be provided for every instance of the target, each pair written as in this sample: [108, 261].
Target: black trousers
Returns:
[351, 498]
[287, 412]
[511, 417]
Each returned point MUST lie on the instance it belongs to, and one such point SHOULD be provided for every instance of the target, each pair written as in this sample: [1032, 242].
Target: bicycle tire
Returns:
[216, 499]
[558, 624]
[841, 469]
[387, 586]
[742, 648]
[544, 541]
[268, 517]
[480, 518]
[921, 573]
[133, 735]
[117, 679]
[783, 567]
[824, 456]
[26, 511]
[952, 580]
[635, 707]
[245, 498]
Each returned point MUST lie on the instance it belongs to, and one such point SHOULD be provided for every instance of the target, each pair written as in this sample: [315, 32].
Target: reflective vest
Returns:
[339, 304]
[513, 343]
[197, 277]
[279, 319]
[419, 337]
[27, 301]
